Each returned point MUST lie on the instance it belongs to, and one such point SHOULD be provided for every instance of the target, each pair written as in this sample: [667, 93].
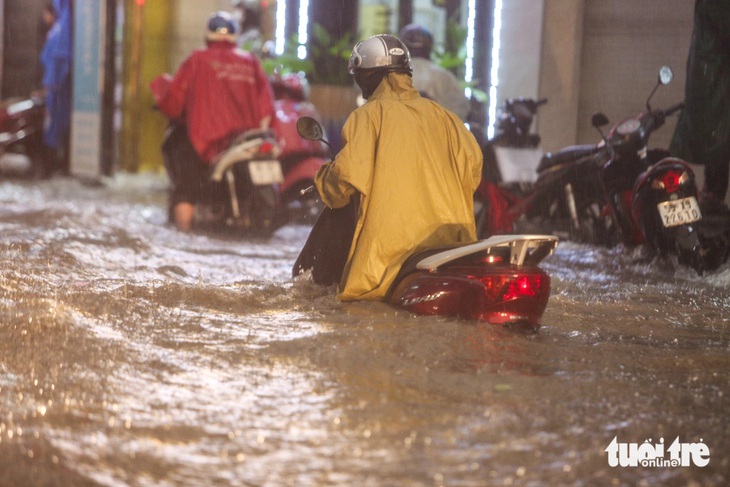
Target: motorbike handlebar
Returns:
[673, 109]
[657, 118]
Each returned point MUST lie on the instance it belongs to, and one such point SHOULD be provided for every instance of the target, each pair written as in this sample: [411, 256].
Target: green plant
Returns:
[326, 61]
[453, 57]
[288, 61]
[330, 57]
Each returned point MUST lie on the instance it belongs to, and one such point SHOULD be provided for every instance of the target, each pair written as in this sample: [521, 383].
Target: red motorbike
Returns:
[21, 129]
[300, 158]
[496, 280]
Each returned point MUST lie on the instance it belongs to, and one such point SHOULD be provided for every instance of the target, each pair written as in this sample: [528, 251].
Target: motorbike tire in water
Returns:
[326, 250]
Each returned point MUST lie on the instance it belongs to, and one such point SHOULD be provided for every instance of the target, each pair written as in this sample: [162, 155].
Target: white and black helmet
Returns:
[222, 27]
[382, 52]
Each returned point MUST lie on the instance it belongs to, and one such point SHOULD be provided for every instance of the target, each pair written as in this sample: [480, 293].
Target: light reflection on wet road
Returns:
[133, 355]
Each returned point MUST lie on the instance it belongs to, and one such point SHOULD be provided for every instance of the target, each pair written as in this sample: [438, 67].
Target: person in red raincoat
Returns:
[217, 93]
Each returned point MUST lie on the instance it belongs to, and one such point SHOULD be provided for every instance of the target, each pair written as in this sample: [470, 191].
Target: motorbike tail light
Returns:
[670, 181]
[506, 287]
[515, 297]
[526, 286]
[494, 285]
[266, 148]
[500, 294]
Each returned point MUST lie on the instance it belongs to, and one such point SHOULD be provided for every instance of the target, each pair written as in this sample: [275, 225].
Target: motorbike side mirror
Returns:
[309, 128]
[664, 78]
[599, 120]
[665, 75]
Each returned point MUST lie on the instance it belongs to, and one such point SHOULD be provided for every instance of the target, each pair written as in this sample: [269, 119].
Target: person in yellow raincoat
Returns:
[412, 165]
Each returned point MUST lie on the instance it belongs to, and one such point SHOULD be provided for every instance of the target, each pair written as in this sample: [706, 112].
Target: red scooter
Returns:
[496, 280]
[300, 158]
[21, 129]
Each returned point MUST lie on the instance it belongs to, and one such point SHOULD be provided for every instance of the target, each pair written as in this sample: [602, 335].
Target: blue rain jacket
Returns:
[56, 61]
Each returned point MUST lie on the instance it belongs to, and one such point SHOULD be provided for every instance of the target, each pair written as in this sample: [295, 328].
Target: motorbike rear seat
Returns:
[568, 154]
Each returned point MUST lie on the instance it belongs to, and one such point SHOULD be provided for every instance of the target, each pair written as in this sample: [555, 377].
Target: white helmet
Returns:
[380, 53]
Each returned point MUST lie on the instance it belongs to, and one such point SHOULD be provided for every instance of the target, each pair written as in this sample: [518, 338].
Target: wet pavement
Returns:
[131, 354]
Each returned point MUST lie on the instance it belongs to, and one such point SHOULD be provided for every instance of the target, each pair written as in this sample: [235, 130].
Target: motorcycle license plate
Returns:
[264, 173]
[679, 212]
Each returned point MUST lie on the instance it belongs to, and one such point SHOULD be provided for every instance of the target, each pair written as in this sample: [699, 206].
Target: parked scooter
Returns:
[561, 197]
[652, 197]
[496, 280]
[513, 133]
[616, 191]
[242, 193]
[21, 130]
[300, 158]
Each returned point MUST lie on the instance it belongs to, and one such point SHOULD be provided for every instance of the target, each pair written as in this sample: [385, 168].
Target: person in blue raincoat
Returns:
[56, 61]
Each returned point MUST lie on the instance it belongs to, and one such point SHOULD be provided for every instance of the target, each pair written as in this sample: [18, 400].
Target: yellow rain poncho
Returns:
[415, 167]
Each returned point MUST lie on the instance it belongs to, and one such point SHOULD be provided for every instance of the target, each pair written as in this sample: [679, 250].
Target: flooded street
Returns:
[131, 354]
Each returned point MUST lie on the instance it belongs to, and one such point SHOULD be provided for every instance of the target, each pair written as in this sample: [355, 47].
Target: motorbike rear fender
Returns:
[643, 182]
[486, 292]
[243, 148]
[646, 199]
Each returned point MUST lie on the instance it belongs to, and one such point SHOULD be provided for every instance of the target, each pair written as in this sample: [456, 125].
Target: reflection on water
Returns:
[133, 355]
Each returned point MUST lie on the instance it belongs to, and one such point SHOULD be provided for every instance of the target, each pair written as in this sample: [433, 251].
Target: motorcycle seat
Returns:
[567, 155]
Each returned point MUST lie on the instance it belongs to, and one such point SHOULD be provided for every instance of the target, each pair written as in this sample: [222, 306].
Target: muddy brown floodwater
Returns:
[131, 354]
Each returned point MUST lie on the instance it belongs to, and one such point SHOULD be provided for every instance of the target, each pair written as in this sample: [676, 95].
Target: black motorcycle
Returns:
[562, 196]
[616, 191]
[652, 197]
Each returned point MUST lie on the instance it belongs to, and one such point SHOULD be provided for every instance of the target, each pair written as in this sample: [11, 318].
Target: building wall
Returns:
[22, 41]
[520, 49]
[559, 72]
[604, 55]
